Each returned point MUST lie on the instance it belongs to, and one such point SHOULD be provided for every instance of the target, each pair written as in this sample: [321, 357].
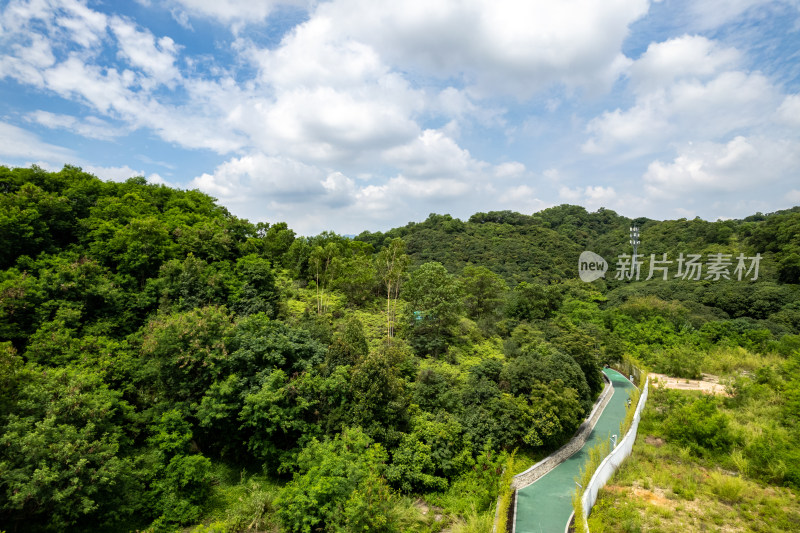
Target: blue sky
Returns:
[348, 115]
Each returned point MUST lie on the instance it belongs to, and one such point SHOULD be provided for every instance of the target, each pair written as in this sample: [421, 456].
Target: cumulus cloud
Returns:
[707, 128]
[687, 56]
[522, 199]
[570, 194]
[64, 20]
[113, 173]
[433, 154]
[593, 197]
[332, 92]
[263, 178]
[432, 171]
[686, 88]
[25, 147]
[199, 123]
[266, 188]
[90, 127]
[510, 170]
[41, 37]
[599, 196]
[789, 111]
[327, 125]
[496, 46]
[368, 110]
[718, 168]
[156, 57]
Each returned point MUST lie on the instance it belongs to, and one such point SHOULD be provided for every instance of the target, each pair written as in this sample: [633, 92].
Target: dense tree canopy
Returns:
[150, 342]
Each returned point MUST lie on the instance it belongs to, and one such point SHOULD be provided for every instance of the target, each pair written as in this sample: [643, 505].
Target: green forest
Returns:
[167, 366]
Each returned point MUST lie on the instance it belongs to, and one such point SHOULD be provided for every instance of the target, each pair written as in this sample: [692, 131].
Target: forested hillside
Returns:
[165, 365]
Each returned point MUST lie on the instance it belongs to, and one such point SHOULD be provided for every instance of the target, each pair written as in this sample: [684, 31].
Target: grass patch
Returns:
[667, 487]
[474, 523]
[239, 503]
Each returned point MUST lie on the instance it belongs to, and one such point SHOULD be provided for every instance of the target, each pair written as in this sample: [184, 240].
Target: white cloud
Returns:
[90, 127]
[703, 170]
[124, 173]
[709, 131]
[105, 91]
[315, 55]
[41, 37]
[687, 56]
[522, 199]
[200, 123]
[234, 12]
[22, 145]
[339, 189]
[710, 14]
[599, 196]
[113, 173]
[685, 90]
[572, 195]
[407, 198]
[23, 148]
[86, 26]
[327, 125]
[261, 187]
[510, 170]
[332, 98]
[592, 197]
[64, 20]
[156, 179]
[259, 178]
[372, 110]
[434, 155]
[460, 105]
[638, 129]
[789, 111]
[497, 46]
[142, 50]
[432, 172]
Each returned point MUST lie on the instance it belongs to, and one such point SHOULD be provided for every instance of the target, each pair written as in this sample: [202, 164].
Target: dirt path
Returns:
[709, 384]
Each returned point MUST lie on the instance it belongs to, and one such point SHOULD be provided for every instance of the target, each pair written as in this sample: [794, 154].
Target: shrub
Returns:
[339, 487]
[700, 426]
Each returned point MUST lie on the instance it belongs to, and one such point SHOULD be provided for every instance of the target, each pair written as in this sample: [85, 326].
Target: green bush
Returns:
[339, 487]
[182, 479]
[700, 426]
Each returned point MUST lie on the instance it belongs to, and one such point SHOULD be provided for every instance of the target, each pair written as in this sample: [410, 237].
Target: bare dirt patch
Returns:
[658, 442]
[656, 496]
[709, 384]
[424, 508]
[653, 497]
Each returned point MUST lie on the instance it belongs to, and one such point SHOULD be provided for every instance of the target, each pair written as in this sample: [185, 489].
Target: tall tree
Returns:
[320, 262]
[484, 291]
[434, 298]
[392, 263]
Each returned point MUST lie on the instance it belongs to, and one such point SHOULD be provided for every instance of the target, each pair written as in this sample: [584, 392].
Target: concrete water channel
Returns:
[546, 505]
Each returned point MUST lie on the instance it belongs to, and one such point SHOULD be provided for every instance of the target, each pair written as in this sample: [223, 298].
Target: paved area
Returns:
[709, 384]
[546, 505]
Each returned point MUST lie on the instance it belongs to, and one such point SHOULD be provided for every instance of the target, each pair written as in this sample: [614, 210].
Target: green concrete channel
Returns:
[546, 505]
